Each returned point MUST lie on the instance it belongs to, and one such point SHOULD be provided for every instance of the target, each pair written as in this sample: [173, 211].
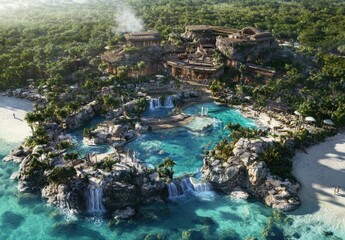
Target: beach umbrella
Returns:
[310, 119]
[297, 113]
[328, 122]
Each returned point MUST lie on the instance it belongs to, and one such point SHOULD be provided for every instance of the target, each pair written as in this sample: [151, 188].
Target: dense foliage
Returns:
[50, 42]
[278, 159]
[59, 45]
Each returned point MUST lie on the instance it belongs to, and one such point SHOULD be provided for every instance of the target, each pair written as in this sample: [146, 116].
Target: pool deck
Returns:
[167, 122]
[177, 120]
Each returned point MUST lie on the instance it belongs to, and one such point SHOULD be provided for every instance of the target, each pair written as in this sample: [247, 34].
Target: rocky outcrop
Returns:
[26, 93]
[66, 196]
[131, 186]
[85, 113]
[124, 214]
[17, 155]
[115, 134]
[244, 170]
[120, 194]
[126, 183]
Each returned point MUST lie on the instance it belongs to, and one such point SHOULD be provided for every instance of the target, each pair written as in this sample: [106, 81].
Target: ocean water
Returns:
[214, 216]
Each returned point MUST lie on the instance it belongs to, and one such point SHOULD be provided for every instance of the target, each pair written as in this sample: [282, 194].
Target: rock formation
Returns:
[244, 170]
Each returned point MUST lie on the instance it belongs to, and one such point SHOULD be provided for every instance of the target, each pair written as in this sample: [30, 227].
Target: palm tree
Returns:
[31, 118]
[140, 66]
[166, 168]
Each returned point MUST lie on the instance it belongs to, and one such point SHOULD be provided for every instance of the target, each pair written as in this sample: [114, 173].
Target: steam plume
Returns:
[127, 21]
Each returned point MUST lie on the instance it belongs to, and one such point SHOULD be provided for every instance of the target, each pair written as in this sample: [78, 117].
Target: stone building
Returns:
[247, 44]
[194, 71]
[143, 39]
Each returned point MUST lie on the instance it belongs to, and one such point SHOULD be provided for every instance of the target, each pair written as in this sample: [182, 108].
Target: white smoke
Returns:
[127, 20]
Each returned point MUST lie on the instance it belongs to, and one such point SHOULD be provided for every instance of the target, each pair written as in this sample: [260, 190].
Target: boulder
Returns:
[65, 196]
[120, 194]
[239, 194]
[257, 173]
[244, 170]
[124, 214]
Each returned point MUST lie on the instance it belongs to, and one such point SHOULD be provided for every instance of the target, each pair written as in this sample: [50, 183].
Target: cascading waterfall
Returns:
[203, 111]
[168, 103]
[94, 200]
[155, 103]
[200, 186]
[180, 187]
[173, 190]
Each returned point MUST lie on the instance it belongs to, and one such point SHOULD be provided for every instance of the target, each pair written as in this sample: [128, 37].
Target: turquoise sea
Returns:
[209, 216]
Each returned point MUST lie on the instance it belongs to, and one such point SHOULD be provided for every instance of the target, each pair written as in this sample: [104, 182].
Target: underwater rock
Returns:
[328, 233]
[73, 229]
[229, 234]
[272, 232]
[156, 236]
[192, 234]
[297, 235]
[11, 220]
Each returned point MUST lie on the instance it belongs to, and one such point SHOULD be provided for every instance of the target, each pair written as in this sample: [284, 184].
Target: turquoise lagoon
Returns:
[77, 138]
[184, 146]
[26, 216]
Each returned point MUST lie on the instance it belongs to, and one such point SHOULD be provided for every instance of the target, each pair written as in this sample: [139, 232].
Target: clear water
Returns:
[77, 137]
[186, 147]
[158, 112]
[25, 216]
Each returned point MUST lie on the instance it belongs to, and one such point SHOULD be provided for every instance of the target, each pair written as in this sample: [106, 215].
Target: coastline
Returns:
[319, 172]
[13, 128]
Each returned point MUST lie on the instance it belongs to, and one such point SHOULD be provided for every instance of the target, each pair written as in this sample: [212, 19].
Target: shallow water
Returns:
[184, 146]
[211, 216]
[77, 138]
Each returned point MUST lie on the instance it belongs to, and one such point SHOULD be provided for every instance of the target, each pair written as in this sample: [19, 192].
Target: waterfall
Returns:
[186, 185]
[168, 103]
[203, 111]
[94, 200]
[181, 187]
[173, 190]
[154, 104]
[199, 186]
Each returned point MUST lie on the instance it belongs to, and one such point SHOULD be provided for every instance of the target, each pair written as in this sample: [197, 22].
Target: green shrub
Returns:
[278, 159]
[62, 174]
[64, 145]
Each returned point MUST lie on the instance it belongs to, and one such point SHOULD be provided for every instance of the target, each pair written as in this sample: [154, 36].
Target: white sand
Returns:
[318, 172]
[14, 130]
[262, 119]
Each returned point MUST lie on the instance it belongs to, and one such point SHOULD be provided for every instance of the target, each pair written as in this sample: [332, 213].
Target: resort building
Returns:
[194, 71]
[143, 39]
[198, 54]
[245, 43]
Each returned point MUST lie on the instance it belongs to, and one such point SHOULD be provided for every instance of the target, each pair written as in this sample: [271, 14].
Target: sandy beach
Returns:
[14, 129]
[319, 171]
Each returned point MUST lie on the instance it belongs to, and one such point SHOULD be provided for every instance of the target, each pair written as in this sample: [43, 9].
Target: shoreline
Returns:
[319, 172]
[13, 127]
